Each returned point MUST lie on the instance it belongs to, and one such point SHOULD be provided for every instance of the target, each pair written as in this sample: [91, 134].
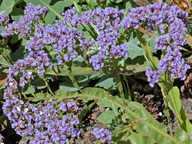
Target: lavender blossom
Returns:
[104, 135]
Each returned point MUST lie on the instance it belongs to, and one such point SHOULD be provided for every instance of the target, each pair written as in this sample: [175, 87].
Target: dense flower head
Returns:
[4, 19]
[104, 135]
[41, 123]
[35, 59]
[50, 123]
[23, 27]
[171, 24]
[108, 24]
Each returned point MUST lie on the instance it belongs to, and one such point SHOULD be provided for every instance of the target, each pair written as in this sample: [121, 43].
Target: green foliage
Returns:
[147, 125]
[133, 49]
[176, 107]
[106, 82]
[106, 117]
[6, 6]
[182, 136]
[77, 75]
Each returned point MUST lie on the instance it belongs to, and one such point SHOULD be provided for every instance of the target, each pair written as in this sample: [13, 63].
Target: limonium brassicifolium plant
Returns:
[54, 121]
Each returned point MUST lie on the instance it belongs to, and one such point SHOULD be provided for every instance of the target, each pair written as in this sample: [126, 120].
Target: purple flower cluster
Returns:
[35, 60]
[170, 23]
[64, 40]
[41, 124]
[4, 19]
[108, 23]
[23, 27]
[104, 135]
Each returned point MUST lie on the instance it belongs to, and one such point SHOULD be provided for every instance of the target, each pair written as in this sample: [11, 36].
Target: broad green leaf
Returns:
[181, 135]
[29, 90]
[20, 53]
[147, 125]
[106, 82]
[16, 13]
[59, 94]
[67, 86]
[6, 6]
[133, 49]
[139, 139]
[176, 107]
[122, 138]
[41, 96]
[106, 117]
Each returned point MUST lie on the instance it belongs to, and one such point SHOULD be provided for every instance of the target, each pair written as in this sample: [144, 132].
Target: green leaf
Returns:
[181, 135]
[106, 82]
[133, 49]
[29, 89]
[176, 107]
[41, 96]
[16, 13]
[151, 42]
[58, 8]
[3, 62]
[77, 71]
[59, 94]
[67, 86]
[122, 138]
[6, 6]
[147, 125]
[106, 117]
[20, 53]
[139, 139]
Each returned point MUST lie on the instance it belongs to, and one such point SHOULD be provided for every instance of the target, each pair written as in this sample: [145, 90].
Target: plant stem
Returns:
[49, 89]
[119, 86]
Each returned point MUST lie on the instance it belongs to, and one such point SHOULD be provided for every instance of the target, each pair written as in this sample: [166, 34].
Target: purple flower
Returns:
[104, 135]
[152, 76]
[63, 107]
